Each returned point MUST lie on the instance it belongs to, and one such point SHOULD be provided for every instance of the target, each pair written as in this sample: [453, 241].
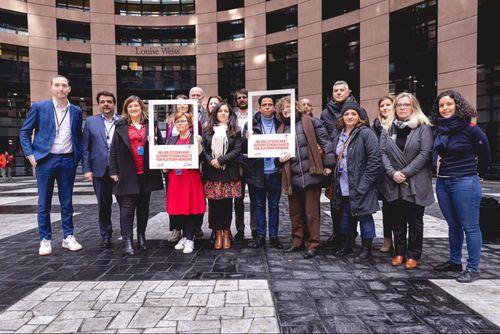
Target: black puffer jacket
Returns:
[363, 168]
[232, 171]
[333, 112]
[254, 167]
[300, 163]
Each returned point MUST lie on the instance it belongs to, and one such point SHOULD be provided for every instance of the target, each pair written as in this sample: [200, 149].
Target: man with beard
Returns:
[241, 110]
[97, 136]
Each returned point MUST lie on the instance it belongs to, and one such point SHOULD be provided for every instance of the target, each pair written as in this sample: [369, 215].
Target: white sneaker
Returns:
[45, 247]
[180, 244]
[71, 244]
[174, 236]
[188, 247]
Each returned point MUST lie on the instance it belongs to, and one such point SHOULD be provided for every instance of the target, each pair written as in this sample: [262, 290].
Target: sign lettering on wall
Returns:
[157, 51]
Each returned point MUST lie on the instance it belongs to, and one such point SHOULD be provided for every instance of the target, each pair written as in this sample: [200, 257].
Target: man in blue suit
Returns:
[96, 141]
[54, 154]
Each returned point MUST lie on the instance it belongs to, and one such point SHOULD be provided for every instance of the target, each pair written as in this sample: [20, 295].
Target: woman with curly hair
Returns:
[463, 152]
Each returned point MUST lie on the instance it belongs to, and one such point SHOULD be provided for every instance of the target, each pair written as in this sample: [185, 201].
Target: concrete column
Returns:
[42, 43]
[457, 47]
[310, 45]
[255, 45]
[206, 47]
[374, 53]
[102, 37]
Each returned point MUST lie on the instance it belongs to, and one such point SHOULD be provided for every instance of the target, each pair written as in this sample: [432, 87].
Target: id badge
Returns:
[178, 172]
[140, 150]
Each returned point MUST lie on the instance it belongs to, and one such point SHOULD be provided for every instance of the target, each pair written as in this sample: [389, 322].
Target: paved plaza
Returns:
[230, 291]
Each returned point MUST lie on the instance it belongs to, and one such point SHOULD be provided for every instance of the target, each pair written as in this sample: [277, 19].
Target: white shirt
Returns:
[109, 125]
[242, 120]
[62, 142]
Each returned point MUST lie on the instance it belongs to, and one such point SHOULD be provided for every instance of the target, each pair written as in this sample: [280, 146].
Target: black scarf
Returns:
[444, 128]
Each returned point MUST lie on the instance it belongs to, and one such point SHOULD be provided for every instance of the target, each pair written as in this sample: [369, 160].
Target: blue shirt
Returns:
[344, 179]
[268, 127]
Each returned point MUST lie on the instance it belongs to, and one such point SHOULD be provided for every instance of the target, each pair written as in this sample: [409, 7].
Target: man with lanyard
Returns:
[241, 110]
[263, 176]
[54, 154]
[96, 141]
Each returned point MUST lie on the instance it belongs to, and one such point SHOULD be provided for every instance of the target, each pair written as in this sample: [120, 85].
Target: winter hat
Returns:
[354, 106]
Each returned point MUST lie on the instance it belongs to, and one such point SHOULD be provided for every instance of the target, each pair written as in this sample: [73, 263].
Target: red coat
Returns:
[3, 160]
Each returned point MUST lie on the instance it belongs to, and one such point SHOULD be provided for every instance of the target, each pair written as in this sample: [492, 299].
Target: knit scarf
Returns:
[444, 128]
[219, 142]
[315, 161]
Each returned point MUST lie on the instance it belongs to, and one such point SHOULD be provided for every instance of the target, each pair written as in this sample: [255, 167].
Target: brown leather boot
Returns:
[387, 246]
[226, 239]
[218, 239]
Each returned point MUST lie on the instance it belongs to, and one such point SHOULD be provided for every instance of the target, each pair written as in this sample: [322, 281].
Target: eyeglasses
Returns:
[403, 105]
[181, 121]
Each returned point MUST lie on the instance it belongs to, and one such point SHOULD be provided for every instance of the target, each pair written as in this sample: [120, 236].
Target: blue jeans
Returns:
[271, 192]
[348, 223]
[459, 199]
[60, 167]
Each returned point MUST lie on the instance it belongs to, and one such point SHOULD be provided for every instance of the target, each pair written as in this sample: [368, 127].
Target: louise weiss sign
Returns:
[172, 156]
[270, 144]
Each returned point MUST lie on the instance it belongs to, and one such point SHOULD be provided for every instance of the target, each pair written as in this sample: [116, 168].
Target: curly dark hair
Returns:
[232, 123]
[463, 109]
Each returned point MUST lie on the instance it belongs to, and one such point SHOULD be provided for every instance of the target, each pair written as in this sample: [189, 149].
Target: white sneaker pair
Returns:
[174, 236]
[187, 246]
[68, 243]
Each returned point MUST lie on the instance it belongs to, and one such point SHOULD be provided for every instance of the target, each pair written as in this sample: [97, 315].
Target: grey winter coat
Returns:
[301, 177]
[363, 169]
[414, 162]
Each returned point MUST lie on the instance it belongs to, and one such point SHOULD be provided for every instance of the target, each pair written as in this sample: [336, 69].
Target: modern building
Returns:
[160, 48]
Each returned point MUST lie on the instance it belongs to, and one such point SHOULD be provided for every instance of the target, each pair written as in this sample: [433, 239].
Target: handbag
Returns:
[329, 189]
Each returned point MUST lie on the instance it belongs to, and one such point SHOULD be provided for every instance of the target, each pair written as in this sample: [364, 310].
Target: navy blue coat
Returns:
[41, 119]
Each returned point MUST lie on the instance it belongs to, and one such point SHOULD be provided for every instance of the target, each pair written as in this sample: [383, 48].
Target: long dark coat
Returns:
[232, 170]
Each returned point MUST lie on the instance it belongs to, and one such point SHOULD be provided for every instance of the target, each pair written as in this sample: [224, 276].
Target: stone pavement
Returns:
[238, 290]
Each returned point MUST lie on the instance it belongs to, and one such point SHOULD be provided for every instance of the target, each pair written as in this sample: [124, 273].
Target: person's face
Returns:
[182, 124]
[350, 118]
[340, 93]
[134, 109]
[182, 108]
[306, 106]
[384, 108]
[212, 104]
[286, 110]
[196, 94]
[267, 107]
[447, 107]
[223, 114]
[60, 88]
[106, 105]
[241, 101]
[403, 108]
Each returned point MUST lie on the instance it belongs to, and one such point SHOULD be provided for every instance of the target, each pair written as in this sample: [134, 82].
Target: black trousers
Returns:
[239, 210]
[187, 223]
[134, 205]
[220, 213]
[103, 187]
[387, 220]
[407, 218]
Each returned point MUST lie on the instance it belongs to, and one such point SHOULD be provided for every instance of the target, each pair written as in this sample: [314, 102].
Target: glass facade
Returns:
[231, 74]
[332, 8]
[13, 23]
[73, 31]
[14, 100]
[154, 77]
[229, 4]
[488, 77]
[76, 66]
[154, 7]
[280, 20]
[282, 66]
[341, 60]
[83, 5]
[231, 30]
[155, 36]
[413, 52]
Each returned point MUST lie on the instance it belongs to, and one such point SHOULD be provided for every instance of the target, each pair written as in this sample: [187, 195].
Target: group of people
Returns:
[358, 165]
[6, 165]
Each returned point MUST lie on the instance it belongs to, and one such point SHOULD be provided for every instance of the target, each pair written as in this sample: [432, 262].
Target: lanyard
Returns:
[139, 133]
[62, 120]
[262, 128]
[108, 131]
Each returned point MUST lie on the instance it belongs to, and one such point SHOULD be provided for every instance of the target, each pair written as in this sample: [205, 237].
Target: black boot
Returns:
[128, 247]
[366, 251]
[141, 241]
[346, 246]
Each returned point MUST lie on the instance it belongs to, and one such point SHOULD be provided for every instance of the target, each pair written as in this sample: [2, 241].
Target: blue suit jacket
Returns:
[41, 119]
[95, 157]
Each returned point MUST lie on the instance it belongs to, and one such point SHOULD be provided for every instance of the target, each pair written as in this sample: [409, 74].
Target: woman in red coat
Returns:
[185, 197]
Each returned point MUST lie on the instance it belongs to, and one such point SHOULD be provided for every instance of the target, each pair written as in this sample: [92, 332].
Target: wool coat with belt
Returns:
[414, 162]
[363, 169]
[121, 163]
[232, 170]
